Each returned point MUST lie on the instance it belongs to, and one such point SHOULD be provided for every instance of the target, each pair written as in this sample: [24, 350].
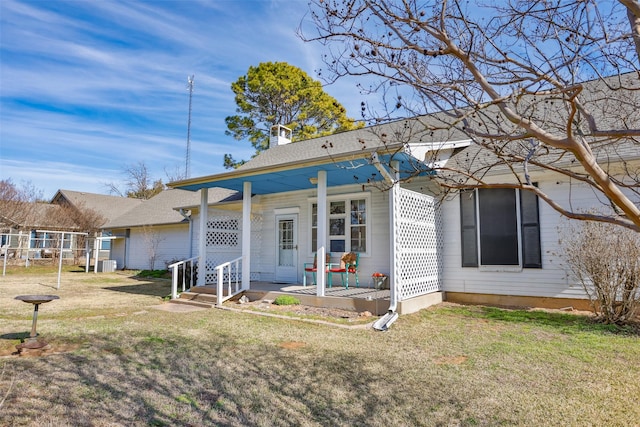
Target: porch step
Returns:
[193, 303]
[196, 299]
[197, 296]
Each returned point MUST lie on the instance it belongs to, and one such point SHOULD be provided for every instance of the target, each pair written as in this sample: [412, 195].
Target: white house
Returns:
[371, 191]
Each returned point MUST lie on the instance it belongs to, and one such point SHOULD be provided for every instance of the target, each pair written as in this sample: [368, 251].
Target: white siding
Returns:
[173, 244]
[549, 281]
[117, 252]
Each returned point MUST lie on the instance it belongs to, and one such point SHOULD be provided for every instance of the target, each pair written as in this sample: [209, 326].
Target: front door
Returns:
[287, 248]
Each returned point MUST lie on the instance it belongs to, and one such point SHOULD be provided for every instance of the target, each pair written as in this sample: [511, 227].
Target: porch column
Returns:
[87, 254]
[322, 233]
[393, 233]
[98, 245]
[246, 235]
[202, 241]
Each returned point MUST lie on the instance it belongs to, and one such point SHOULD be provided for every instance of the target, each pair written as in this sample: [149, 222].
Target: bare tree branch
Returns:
[562, 73]
[138, 183]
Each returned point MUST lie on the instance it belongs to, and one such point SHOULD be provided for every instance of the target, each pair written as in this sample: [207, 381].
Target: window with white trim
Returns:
[348, 225]
[500, 227]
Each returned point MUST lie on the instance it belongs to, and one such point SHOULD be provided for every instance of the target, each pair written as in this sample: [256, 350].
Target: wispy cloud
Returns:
[88, 87]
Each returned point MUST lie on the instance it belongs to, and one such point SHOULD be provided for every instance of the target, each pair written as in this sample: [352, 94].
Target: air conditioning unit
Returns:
[107, 266]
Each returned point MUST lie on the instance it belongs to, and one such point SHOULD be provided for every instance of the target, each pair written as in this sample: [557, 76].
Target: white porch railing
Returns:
[228, 274]
[188, 280]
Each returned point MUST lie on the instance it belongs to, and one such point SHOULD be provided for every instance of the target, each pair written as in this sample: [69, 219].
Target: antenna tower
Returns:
[187, 168]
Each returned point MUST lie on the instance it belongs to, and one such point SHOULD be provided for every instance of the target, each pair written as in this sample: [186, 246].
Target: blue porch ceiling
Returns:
[356, 171]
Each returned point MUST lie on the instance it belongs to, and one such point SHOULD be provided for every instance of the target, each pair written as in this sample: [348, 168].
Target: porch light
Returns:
[313, 180]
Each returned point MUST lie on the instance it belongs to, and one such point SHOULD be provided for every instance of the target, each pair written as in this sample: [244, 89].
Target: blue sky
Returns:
[89, 87]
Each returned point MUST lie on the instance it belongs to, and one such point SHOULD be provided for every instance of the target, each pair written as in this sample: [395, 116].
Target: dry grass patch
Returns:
[449, 365]
[305, 312]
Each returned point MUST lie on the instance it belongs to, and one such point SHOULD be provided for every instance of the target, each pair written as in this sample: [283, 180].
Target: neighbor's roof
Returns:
[39, 216]
[109, 207]
[161, 209]
[47, 216]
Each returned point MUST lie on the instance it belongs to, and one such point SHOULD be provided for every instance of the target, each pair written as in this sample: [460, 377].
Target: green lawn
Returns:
[120, 361]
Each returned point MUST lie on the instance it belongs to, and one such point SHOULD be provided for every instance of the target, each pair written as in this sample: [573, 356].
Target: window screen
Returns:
[495, 227]
[498, 227]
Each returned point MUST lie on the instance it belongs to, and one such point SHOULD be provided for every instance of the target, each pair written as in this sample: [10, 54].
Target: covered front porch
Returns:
[300, 204]
[360, 299]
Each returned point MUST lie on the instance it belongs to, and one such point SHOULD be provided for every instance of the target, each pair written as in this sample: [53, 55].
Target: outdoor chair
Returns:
[313, 268]
[348, 265]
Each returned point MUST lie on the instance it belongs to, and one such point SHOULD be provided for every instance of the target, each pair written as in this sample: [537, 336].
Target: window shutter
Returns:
[530, 223]
[468, 228]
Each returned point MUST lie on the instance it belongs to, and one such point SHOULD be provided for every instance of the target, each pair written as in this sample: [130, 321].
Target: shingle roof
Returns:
[37, 216]
[109, 207]
[436, 129]
[614, 103]
[345, 155]
[161, 209]
[51, 217]
[389, 136]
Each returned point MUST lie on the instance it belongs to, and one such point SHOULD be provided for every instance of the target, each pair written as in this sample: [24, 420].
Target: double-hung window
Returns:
[500, 227]
[348, 226]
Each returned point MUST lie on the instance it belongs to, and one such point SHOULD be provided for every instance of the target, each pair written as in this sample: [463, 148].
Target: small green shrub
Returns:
[286, 300]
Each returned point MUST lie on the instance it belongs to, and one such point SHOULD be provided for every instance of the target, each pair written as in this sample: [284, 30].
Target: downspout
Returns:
[187, 215]
[391, 316]
[246, 236]
[202, 238]
[322, 233]
[127, 236]
[375, 161]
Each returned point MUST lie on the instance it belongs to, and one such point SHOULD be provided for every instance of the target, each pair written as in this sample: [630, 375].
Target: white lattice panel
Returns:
[223, 232]
[256, 246]
[418, 242]
[224, 237]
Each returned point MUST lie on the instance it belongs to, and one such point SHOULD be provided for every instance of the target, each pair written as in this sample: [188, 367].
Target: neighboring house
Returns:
[158, 231]
[337, 194]
[31, 230]
[109, 207]
[93, 211]
[25, 230]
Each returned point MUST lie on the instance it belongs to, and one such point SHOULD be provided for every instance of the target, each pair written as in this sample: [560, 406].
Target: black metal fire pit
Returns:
[33, 342]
